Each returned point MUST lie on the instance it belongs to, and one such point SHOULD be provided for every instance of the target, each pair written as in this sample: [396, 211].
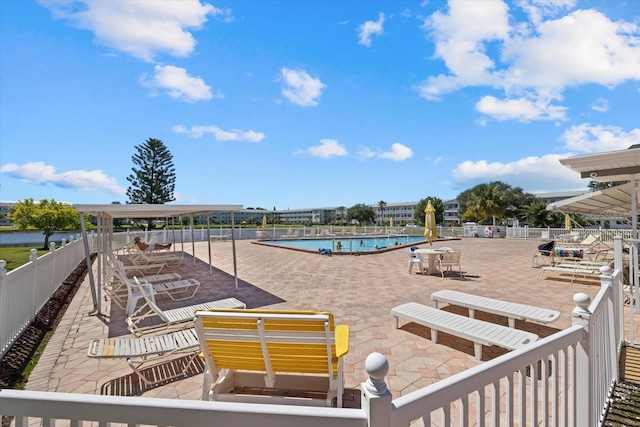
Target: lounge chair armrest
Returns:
[342, 340]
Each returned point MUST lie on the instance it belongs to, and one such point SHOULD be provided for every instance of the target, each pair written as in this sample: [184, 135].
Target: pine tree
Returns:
[153, 178]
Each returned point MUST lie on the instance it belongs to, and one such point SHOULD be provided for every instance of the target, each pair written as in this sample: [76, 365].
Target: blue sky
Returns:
[297, 104]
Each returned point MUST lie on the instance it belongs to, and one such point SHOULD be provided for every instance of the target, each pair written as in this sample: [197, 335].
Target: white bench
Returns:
[481, 333]
[508, 309]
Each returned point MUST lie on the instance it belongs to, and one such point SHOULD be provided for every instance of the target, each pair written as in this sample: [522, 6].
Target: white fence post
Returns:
[376, 397]
[582, 375]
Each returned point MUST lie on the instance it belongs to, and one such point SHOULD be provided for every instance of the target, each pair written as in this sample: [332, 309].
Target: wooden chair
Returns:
[295, 354]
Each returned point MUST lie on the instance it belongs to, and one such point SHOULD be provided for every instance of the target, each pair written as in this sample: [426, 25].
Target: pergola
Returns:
[622, 200]
[105, 214]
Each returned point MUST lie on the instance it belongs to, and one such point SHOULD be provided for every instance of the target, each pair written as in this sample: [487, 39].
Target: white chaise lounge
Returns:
[508, 309]
[141, 351]
[481, 333]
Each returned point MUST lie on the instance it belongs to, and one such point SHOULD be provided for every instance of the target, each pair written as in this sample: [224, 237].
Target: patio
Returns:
[359, 290]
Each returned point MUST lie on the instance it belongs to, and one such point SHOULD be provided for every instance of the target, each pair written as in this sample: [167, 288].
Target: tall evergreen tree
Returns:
[153, 178]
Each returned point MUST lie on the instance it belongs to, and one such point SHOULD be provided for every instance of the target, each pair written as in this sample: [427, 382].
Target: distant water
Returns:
[36, 238]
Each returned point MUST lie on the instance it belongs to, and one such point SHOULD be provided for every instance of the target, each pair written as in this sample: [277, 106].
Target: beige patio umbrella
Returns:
[264, 222]
[567, 223]
[390, 222]
[430, 232]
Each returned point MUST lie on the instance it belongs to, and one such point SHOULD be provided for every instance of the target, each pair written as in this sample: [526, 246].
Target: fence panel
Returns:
[26, 289]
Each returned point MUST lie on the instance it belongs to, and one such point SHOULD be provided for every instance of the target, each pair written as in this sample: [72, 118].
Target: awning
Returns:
[614, 202]
[621, 165]
[106, 213]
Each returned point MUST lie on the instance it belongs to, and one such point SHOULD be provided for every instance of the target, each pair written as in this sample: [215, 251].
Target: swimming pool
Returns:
[348, 244]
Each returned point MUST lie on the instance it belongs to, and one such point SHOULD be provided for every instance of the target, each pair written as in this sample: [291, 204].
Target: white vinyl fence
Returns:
[26, 289]
[561, 380]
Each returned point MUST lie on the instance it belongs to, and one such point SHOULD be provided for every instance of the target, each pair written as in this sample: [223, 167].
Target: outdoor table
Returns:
[431, 257]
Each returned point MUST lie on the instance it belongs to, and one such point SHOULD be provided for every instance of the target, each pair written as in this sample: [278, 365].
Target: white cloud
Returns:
[538, 59]
[595, 139]
[41, 173]
[538, 9]
[521, 109]
[398, 153]
[178, 84]
[143, 29]
[370, 28]
[365, 153]
[600, 105]
[219, 134]
[434, 160]
[327, 148]
[533, 174]
[300, 88]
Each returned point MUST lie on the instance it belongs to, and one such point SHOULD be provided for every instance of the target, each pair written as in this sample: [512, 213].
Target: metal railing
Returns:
[561, 380]
[26, 289]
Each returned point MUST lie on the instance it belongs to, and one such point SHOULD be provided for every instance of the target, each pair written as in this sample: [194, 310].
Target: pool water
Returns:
[349, 244]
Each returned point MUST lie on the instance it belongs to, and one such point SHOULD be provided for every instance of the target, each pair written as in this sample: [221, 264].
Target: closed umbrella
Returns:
[567, 223]
[390, 222]
[430, 232]
[264, 222]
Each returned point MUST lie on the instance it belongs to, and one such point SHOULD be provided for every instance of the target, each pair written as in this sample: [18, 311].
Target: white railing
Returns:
[562, 235]
[26, 289]
[561, 380]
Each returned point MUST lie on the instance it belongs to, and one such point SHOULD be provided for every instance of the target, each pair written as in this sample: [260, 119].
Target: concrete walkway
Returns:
[359, 290]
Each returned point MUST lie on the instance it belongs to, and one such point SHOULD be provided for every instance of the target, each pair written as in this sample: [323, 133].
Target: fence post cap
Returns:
[377, 367]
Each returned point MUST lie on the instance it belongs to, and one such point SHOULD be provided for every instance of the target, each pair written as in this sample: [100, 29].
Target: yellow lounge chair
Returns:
[295, 354]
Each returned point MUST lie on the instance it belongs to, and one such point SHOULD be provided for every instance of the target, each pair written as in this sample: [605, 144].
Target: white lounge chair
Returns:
[140, 257]
[122, 290]
[177, 290]
[139, 352]
[139, 321]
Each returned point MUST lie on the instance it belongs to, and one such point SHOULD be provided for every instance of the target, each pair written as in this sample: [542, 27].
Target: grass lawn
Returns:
[16, 256]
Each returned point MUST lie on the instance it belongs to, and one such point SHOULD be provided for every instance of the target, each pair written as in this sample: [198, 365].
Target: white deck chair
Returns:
[139, 321]
[139, 352]
[140, 257]
[177, 290]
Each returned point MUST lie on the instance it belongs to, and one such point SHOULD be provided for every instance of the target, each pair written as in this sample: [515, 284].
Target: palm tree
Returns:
[382, 204]
[487, 201]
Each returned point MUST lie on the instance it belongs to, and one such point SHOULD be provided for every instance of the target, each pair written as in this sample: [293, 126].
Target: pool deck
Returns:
[359, 290]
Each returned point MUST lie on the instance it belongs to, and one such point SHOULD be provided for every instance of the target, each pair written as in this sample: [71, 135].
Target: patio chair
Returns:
[140, 352]
[138, 321]
[140, 257]
[178, 290]
[544, 253]
[414, 259]
[448, 260]
[142, 270]
[297, 355]
[122, 291]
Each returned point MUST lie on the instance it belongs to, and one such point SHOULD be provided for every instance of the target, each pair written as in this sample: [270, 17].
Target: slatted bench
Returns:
[508, 309]
[481, 333]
